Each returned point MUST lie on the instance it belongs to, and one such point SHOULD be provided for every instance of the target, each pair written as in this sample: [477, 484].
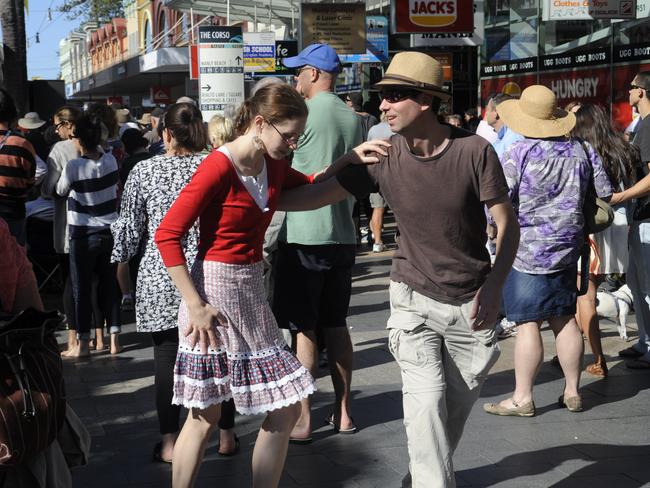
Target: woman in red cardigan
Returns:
[230, 346]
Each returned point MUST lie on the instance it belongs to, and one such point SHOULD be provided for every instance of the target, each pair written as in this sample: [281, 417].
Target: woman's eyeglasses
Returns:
[394, 95]
[289, 139]
[60, 124]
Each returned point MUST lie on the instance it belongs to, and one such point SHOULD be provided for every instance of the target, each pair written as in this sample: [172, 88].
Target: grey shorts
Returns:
[377, 201]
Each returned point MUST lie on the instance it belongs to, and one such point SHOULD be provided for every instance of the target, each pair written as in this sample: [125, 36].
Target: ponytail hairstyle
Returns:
[107, 115]
[89, 129]
[275, 103]
[185, 123]
[68, 113]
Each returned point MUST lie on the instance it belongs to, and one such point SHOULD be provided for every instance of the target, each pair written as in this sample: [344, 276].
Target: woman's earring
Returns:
[257, 142]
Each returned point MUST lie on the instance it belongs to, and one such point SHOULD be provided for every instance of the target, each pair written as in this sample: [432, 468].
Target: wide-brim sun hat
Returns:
[415, 70]
[536, 114]
[31, 120]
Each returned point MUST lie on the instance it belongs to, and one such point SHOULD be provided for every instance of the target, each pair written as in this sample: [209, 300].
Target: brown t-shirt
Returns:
[438, 206]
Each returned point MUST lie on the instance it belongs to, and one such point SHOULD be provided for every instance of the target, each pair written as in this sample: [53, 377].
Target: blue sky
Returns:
[43, 58]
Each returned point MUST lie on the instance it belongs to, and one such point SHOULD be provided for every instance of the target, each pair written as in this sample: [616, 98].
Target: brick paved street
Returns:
[606, 446]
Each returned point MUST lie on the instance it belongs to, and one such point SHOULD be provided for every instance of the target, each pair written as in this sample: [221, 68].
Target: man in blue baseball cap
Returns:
[316, 249]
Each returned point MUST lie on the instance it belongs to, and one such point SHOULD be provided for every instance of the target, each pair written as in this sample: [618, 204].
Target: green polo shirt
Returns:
[332, 130]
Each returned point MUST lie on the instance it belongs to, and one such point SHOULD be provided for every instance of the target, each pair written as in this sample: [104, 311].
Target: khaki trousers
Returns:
[443, 364]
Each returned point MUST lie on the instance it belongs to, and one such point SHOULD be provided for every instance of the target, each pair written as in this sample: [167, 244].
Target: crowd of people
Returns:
[234, 240]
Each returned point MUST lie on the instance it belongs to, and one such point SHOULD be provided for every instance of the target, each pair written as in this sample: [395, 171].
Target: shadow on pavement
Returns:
[603, 459]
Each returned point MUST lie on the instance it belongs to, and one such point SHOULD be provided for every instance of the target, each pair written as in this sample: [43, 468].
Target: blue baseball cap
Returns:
[321, 56]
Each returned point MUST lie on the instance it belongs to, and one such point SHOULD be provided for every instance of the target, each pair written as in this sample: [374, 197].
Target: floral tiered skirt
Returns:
[252, 365]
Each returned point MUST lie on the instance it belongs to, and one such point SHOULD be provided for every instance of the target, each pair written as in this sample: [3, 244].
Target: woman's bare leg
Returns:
[570, 347]
[271, 446]
[588, 321]
[190, 445]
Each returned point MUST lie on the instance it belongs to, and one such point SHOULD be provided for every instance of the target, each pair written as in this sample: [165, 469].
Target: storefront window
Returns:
[162, 32]
[568, 35]
[148, 41]
[513, 41]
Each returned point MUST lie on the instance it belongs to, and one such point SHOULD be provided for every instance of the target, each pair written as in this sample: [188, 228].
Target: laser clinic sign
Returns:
[413, 16]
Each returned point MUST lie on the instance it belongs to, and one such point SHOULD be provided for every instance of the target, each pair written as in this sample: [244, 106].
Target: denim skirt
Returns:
[535, 297]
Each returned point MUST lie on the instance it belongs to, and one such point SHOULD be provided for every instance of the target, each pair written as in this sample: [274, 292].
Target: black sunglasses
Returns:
[636, 87]
[393, 95]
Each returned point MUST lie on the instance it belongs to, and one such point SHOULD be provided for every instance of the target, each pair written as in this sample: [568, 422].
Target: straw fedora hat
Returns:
[31, 120]
[536, 114]
[418, 71]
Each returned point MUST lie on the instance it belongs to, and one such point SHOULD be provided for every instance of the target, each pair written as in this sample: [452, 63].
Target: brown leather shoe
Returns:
[572, 404]
[525, 410]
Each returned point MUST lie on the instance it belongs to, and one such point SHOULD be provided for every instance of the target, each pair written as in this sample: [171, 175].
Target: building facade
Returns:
[589, 60]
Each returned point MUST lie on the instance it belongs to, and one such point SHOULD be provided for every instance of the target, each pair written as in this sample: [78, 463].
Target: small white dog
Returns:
[615, 305]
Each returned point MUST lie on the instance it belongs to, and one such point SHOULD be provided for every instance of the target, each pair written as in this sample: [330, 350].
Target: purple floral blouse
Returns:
[548, 199]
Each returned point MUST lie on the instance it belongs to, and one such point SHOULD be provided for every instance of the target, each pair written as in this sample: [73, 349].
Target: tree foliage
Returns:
[93, 10]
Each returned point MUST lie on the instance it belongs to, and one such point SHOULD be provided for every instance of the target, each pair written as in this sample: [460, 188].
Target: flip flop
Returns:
[329, 420]
[300, 441]
[234, 452]
[157, 454]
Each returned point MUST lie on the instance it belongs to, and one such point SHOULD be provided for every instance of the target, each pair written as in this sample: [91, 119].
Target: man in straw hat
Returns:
[444, 294]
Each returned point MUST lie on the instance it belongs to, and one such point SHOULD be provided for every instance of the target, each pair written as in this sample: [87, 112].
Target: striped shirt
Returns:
[17, 169]
[91, 186]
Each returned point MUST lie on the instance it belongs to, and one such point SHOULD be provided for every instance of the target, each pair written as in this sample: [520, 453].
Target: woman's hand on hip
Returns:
[201, 328]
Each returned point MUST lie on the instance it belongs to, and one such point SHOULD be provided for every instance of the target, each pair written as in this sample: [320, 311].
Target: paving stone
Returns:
[605, 446]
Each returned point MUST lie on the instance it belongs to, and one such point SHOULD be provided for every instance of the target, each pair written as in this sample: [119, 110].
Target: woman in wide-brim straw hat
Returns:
[548, 174]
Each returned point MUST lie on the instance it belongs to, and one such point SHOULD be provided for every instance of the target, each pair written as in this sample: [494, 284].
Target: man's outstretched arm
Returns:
[310, 197]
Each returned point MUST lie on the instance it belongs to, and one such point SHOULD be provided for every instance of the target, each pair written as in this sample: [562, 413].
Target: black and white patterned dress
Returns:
[151, 189]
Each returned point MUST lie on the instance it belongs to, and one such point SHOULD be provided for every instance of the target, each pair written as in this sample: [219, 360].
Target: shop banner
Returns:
[341, 25]
[284, 49]
[259, 52]
[376, 43]
[632, 52]
[160, 94]
[377, 36]
[588, 9]
[474, 38]
[585, 86]
[412, 16]
[221, 69]
[509, 67]
[576, 59]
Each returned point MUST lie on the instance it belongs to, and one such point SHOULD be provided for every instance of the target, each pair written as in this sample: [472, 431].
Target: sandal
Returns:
[329, 420]
[234, 452]
[157, 456]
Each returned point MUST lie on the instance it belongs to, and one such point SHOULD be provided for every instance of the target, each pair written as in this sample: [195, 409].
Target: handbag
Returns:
[32, 394]
[598, 214]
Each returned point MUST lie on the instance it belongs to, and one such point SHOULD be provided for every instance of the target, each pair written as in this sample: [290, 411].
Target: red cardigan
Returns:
[232, 225]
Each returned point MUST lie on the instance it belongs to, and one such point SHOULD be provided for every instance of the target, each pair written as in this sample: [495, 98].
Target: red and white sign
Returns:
[411, 16]
[586, 85]
[161, 94]
[115, 100]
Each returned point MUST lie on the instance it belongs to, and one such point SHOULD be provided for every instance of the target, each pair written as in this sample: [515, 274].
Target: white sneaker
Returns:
[378, 247]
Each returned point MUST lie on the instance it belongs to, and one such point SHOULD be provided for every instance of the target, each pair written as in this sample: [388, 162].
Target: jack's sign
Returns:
[411, 16]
